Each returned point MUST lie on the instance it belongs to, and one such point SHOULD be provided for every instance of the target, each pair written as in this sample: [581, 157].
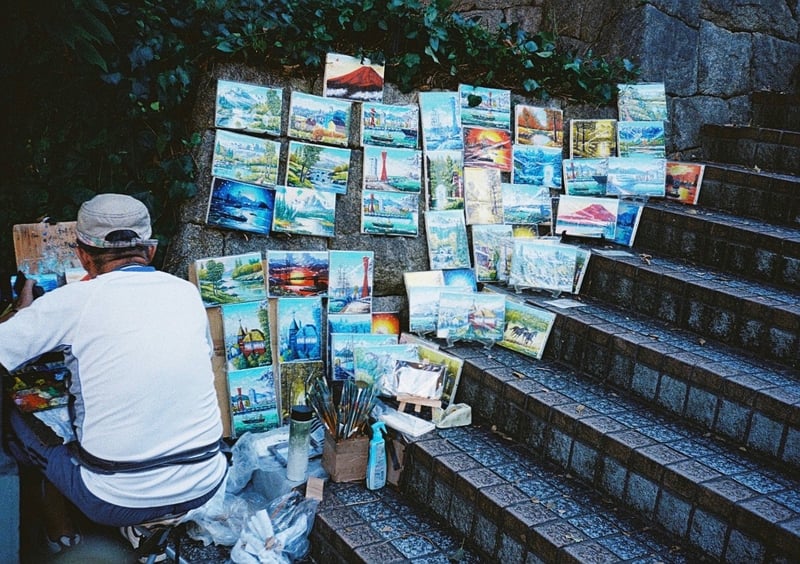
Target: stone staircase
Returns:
[663, 424]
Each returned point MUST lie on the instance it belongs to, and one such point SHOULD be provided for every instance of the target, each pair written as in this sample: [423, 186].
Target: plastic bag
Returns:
[251, 453]
[278, 534]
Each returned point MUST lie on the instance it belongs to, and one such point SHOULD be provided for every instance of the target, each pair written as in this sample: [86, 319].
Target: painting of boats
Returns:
[389, 213]
[253, 401]
[585, 177]
[485, 107]
[391, 168]
[240, 206]
[636, 176]
[440, 114]
[389, 125]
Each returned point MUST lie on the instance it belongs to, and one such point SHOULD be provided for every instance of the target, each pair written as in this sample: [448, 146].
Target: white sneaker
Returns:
[136, 535]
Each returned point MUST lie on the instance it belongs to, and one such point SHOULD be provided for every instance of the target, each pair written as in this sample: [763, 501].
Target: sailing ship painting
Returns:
[350, 286]
[387, 168]
[389, 213]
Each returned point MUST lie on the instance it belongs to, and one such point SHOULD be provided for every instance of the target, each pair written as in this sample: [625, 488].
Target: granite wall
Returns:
[711, 54]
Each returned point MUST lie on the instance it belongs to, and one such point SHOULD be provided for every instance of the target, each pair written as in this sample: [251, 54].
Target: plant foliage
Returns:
[99, 94]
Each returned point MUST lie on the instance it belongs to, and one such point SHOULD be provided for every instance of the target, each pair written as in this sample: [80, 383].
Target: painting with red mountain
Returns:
[585, 216]
[353, 78]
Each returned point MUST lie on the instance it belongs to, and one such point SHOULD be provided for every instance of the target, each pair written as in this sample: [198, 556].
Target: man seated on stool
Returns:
[143, 407]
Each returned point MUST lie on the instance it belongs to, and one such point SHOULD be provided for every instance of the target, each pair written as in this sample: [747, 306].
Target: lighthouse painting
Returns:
[350, 284]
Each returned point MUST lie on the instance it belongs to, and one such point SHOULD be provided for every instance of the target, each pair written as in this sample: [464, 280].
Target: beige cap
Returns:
[106, 213]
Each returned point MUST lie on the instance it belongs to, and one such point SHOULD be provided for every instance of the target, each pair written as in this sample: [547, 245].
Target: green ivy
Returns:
[99, 94]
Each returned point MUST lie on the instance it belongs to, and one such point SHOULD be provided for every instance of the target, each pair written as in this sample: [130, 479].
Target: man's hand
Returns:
[25, 297]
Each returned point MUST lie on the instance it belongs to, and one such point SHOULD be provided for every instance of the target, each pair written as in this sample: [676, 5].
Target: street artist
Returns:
[143, 403]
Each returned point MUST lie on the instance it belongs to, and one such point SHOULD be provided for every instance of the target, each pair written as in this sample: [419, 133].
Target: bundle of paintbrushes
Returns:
[350, 417]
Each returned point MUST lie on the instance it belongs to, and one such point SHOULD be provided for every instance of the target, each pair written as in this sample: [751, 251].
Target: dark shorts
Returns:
[58, 466]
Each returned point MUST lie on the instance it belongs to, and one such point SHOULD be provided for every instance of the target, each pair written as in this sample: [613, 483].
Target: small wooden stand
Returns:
[416, 401]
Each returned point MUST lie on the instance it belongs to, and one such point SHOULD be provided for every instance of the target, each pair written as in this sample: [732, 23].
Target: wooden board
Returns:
[44, 248]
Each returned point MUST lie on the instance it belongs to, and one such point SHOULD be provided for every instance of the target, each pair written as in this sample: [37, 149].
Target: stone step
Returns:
[776, 110]
[749, 402]
[721, 499]
[743, 247]
[515, 508]
[746, 193]
[760, 148]
[760, 319]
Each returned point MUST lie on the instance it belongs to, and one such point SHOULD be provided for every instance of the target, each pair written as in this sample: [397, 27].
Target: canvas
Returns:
[527, 328]
[641, 138]
[388, 125]
[542, 265]
[683, 181]
[582, 256]
[297, 273]
[319, 119]
[642, 101]
[526, 204]
[440, 116]
[470, 316]
[538, 126]
[353, 78]
[460, 278]
[444, 179]
[423, 278]
[231, 279]
[636, 176]
[389, 168]
[487, 148]
[592, 138]
[628, 216]
[586, 216]
[447, 239]
[485, 107]
[483, 199]
[349, 323]
[240, 206]
[305, 211]
[585, 177]
[385, 322]
[317, 166]
[253, 401]
[538, 165]
[294, 384]
[488, 251]
[246, 332]
[248, 107]
[375, 363]
[300, 329]
[350, 286]
[245, 158]
[343, 346]
[389, 213]
[453, 365]
[417, 379]
[423, 308]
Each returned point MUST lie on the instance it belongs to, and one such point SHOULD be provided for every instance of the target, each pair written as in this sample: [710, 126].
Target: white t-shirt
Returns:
[137, 344]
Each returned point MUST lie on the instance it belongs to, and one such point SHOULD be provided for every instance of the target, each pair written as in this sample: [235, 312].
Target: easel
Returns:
[417, 401]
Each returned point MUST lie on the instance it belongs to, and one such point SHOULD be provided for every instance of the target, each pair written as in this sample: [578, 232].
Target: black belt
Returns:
[103, 466]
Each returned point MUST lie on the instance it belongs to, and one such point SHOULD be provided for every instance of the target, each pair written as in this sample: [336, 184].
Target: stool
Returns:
[155, 537]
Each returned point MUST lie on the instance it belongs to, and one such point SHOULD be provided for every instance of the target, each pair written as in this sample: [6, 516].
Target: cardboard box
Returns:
[395, 458]
[346, 460]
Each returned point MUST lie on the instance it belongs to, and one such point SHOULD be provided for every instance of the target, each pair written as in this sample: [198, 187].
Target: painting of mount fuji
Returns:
[538, 165]
[389, 125]
[319, 119]
[440, 114]
[636, 176]
[353, 78]
[585, 216]
[245, 158]
[526, 204]
[388, 168]
[247, 107]
[485, 107]
[240, 206]
[305, 211]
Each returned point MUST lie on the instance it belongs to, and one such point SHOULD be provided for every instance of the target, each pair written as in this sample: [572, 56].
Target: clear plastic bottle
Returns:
[299, 441]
